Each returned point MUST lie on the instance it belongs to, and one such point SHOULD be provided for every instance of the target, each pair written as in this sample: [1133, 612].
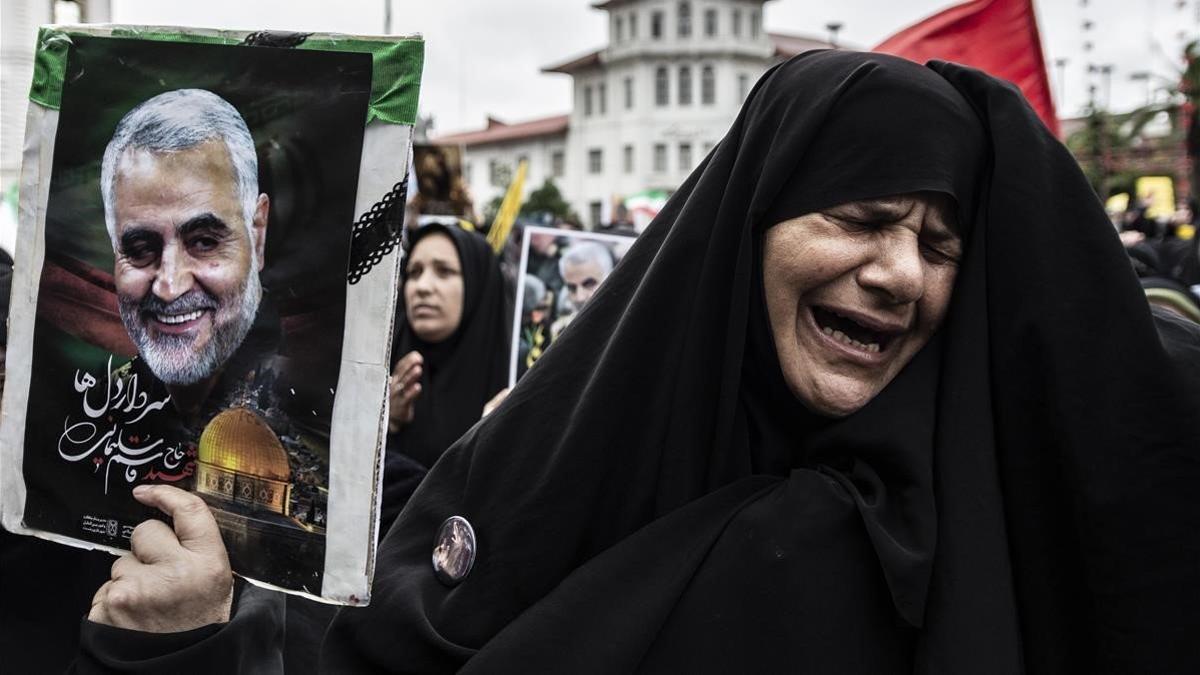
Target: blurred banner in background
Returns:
[998, 36]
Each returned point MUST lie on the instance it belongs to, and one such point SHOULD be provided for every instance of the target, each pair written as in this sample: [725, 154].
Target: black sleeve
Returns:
[1181, 339]
[252, 642]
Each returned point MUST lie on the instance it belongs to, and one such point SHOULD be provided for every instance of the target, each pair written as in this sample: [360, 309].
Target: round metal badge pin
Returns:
[454, 551]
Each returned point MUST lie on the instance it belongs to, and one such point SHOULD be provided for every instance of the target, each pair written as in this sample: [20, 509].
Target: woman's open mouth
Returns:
[853, 332]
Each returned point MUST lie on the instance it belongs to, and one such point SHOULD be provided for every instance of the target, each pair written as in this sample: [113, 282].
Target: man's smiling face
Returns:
[186, 263]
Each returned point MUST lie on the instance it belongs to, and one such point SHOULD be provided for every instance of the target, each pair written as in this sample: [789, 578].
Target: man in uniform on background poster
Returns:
[583, 266]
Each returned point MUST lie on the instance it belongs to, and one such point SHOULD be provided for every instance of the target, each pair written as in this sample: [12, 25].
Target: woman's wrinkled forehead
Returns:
[892, 127]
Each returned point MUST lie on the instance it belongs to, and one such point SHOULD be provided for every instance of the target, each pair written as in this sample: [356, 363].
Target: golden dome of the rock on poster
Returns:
[239, 440]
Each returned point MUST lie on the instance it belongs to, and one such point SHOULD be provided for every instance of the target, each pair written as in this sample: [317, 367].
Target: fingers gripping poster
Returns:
[199, 213]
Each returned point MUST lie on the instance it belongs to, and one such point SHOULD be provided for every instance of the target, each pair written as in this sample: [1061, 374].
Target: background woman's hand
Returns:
[1131, 238]
[404, 389]
[172, 580]
[495, 402]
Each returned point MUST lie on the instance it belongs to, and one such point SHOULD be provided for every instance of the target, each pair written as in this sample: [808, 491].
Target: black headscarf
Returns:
[1018, 499]
[464, 371]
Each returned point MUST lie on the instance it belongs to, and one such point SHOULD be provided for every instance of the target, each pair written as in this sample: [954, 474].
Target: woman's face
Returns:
[433, 289]
[854, 291]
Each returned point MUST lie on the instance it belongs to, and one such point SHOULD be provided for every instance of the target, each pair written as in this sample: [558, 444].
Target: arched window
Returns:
[685, 85]
[708, 86]
[685, 19]
[662, 86]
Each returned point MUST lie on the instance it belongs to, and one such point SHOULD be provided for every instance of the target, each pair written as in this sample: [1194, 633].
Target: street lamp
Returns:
[1142, 76]
[1061, 64]
[833, 27]
[1106, 72]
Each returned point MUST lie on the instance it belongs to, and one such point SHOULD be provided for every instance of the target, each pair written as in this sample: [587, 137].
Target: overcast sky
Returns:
[484, 56]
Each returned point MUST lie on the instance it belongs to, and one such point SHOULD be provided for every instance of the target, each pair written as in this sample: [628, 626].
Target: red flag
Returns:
[999, 37]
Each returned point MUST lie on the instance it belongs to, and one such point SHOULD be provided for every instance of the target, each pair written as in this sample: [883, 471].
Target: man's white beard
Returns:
[173, 358]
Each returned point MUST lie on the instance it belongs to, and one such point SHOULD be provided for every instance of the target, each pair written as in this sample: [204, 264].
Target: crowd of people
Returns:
[864, 397]
[1166, 255]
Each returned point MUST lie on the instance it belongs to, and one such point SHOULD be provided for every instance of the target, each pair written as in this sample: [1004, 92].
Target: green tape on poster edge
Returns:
[395, 67]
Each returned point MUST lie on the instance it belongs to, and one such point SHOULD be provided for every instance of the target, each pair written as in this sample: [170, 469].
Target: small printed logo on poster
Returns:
[105, 527]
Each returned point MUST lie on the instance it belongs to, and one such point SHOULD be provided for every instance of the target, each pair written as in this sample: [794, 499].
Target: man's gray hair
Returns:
[178, 120]
[585, 252]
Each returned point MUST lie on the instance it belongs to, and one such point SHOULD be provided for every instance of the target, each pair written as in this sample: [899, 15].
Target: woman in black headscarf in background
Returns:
[774, 442]
[449, 352]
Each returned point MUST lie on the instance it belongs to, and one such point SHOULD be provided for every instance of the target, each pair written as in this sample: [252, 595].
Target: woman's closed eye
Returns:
[940, 253]
[852, 222]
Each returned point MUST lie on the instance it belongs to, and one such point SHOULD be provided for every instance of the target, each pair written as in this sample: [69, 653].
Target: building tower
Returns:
[647, 107]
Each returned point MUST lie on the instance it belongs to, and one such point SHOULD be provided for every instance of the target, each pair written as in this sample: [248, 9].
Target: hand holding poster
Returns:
[198, 210]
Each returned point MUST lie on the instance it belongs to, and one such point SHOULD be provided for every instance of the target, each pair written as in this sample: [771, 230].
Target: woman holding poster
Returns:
[833, 413]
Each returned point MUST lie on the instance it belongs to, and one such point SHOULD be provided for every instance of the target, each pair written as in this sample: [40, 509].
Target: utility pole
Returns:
[1106, 71]
[833, 27]
[1061, 64]
[1142, 76]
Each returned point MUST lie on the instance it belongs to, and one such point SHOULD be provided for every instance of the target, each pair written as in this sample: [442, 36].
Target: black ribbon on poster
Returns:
[377, 232]
[273, 38]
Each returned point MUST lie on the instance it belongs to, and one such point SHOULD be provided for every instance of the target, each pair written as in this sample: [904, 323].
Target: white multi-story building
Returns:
[647, 108]
[19, 21]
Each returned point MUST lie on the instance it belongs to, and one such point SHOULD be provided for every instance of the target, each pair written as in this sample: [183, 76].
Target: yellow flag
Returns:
[507, 215]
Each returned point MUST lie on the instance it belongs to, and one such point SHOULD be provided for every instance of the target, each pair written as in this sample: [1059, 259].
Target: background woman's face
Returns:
[433, 288]
[855, 291]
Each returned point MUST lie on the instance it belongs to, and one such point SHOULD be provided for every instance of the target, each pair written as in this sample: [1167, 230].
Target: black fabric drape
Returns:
[45, 588]
[1095, 444]
[254, 641]
[467, 369]
[1017, 500]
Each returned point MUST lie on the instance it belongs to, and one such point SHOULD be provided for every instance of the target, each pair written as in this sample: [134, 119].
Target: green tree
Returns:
[1107, 136]
[547, 199]
[490, 210]
[1189, 86]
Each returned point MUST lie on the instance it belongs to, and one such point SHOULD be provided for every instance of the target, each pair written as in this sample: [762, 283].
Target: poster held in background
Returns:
[1158, 194]
[559, 272]
[203, 207]
[440, 188]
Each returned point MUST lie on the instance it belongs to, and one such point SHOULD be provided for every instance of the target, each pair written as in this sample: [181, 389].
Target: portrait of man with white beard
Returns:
[199, 203]
[188, 226]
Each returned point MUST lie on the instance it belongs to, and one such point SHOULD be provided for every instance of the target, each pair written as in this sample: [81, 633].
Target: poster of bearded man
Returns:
[198, 211]
[559, 272]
